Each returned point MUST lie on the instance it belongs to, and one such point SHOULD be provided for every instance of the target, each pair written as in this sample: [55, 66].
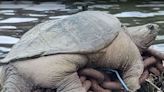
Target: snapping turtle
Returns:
[50, 54]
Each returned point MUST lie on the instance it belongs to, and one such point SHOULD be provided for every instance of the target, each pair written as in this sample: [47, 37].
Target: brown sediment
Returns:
[89, 72]
[144, 76]
[154, 70]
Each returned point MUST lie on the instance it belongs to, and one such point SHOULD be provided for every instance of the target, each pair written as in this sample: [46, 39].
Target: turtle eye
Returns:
[151, 27]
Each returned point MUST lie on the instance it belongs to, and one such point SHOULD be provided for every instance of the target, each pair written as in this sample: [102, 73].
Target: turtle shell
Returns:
[85, 32]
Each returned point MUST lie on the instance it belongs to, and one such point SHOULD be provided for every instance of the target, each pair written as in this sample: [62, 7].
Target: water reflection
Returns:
[37, 15]
[6, 11]
[8, 40]
[159, 47]
[102, 6]
[4, 49]
[157, 4]
[8, 27]
[139, 14]
[17, 20]
[48, 6]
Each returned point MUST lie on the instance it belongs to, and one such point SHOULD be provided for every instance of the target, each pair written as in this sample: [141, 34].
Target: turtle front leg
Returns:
[132, 74]
[13, 82]
[71, 83]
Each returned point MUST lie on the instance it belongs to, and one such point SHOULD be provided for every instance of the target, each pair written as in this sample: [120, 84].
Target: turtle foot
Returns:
[13, 82]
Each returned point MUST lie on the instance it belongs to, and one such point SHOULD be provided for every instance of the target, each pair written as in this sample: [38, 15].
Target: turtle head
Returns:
[144, 35]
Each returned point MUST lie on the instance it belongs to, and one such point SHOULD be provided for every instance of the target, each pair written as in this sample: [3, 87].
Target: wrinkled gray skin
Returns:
[24, 76]
[146, 32]
[141, 32]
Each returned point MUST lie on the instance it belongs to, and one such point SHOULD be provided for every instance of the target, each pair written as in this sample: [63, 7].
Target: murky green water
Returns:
[15, 20]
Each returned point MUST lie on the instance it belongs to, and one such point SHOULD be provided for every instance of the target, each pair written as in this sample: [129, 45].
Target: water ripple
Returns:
[139, 14]
[18, 20]
[8, 40]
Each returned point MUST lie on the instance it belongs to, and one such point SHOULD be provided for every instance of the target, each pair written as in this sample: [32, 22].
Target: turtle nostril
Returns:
[151, 27]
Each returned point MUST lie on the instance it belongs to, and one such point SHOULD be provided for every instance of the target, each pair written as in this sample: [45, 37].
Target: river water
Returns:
[16, 19]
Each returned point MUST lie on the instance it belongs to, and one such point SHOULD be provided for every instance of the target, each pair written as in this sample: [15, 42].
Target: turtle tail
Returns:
[11, 81]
